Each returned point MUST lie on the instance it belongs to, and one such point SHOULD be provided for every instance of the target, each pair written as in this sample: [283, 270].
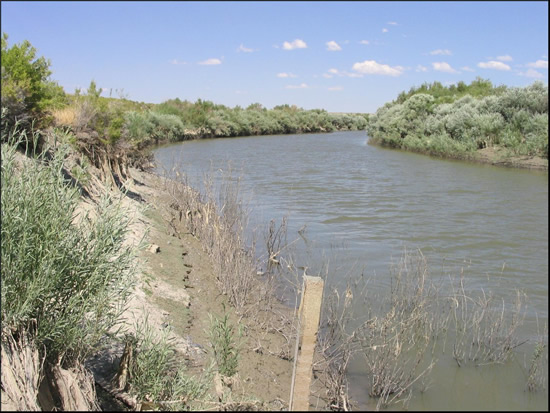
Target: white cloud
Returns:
[532, 73]
[335, 88]
[364, 42]
[493, 64]
[286, 75]
[332, 46]
[505, 58]
[467, 69]
[539, 64]
[331, 73]
[177, 62]
[244, 49]
[444, 52]
[300, 86]
[210, 62]
[421, 68]
[371, 67]
[443, 67]
[295, 44]
[384, 30]
[393, 23]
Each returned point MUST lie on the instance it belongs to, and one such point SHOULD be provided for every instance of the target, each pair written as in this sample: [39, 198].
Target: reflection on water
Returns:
[365, 204]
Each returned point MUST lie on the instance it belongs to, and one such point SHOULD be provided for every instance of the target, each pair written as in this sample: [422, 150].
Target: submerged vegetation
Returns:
[422, 321]
[456, 121]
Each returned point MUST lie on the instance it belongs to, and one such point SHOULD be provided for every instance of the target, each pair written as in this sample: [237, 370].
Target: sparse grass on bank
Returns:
[158, 376]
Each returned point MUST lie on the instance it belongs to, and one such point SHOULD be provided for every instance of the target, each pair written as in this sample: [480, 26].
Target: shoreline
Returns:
[177, 292]
[494, 156]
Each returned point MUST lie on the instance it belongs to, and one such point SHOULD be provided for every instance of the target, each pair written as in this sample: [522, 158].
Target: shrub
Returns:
[165, 127]
[137, 127]
[224, 344]
[157, 374]
[516, 118]
[27, 90]
[66, 270]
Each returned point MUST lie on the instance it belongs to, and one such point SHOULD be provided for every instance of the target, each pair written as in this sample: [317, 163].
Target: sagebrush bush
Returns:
[515, 118]
[61, 267]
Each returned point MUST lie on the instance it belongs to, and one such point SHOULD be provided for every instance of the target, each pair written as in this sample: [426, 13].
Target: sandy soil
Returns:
[178, 292]
[499, 157]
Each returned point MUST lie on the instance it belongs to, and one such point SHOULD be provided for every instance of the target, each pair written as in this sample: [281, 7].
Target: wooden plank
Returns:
[308, 322]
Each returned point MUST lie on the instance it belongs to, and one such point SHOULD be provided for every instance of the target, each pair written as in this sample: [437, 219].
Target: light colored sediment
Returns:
[177, 292]
[499, 157]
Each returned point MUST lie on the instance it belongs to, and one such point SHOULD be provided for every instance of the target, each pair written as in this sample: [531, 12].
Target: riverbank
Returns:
[178, 292]
[495, 155]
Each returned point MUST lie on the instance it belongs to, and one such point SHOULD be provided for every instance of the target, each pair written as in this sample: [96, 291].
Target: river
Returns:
[364, 204]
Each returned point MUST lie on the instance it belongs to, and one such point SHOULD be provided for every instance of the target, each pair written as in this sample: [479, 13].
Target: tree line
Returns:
[459, 119]
[119, 124]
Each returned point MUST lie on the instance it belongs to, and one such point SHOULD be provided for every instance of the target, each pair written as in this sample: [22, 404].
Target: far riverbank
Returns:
[496, 156]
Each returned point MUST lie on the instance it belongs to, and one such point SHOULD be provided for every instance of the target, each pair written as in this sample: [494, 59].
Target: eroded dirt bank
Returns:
[177, 292]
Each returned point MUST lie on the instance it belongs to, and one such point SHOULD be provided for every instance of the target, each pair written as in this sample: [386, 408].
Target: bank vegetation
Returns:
[458, 120]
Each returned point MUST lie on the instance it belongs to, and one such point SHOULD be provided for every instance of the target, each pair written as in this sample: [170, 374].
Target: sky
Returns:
[338, 56]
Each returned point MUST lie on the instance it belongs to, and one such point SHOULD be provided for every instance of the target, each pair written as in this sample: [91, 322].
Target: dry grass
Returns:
[401, 341]
[396, 344]
[219, 219]
[484, 330]
[65, 116]
[78, 116]
[538, 365]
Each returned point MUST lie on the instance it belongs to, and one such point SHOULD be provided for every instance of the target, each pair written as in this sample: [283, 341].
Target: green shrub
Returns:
[27, 90]
[224, 344]
[137, 128]
[477, 117]
[115, 129]
[66, 270]
[157, 374]
[165, 127]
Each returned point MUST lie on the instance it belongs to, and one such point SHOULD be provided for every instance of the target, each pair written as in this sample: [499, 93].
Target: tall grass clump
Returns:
[64, 270]
[156, 373]
[225, 344]
[396, 342]
[537, 374]
[484, 327]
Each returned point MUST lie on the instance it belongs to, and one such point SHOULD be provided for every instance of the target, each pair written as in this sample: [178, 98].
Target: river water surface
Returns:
[364, 205]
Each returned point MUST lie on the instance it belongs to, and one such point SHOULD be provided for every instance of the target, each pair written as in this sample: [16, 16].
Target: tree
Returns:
[26, 88]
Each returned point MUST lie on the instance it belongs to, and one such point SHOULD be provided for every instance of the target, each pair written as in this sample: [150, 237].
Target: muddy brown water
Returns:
[362, 205]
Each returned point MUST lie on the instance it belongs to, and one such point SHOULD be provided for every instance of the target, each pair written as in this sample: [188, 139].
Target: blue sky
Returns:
[339, 56]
